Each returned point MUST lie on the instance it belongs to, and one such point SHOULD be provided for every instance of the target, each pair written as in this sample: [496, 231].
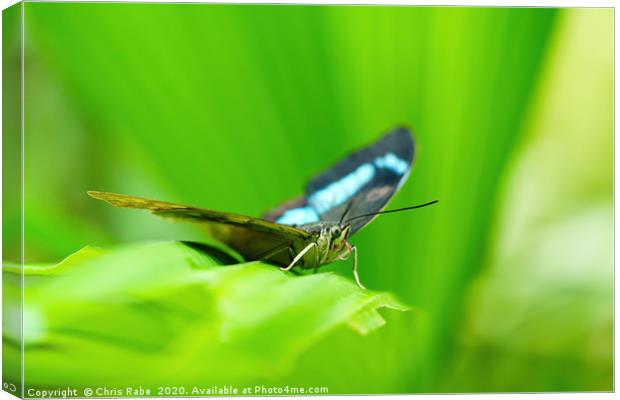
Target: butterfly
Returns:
[313, 229]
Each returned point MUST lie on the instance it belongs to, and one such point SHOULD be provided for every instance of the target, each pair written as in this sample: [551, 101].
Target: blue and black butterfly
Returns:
[313, 229]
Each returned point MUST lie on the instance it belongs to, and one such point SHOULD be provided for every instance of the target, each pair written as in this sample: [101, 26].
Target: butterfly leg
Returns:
[355, 274]
[299, 256]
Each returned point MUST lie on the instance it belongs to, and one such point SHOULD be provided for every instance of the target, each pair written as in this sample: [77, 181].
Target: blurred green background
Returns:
[235, 107]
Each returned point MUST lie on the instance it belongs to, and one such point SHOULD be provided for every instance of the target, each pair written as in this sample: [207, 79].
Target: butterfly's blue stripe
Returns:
[392, 162]
[298, 216]
[342, 190]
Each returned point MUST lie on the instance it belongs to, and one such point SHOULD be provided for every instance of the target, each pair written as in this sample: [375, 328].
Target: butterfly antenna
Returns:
[392, 211]
[346, 211]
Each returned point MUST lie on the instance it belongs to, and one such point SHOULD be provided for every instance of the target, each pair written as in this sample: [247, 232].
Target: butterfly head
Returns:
[337, 235]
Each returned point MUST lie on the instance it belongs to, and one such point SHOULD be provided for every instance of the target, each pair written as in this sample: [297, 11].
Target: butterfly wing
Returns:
[361, 183]
[253, 238]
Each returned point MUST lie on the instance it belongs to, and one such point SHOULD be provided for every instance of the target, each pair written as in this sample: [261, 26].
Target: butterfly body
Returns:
[330, 244]
[310, 230]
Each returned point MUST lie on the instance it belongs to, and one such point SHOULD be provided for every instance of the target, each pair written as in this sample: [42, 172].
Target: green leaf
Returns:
[76, 258]
[167, 312]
